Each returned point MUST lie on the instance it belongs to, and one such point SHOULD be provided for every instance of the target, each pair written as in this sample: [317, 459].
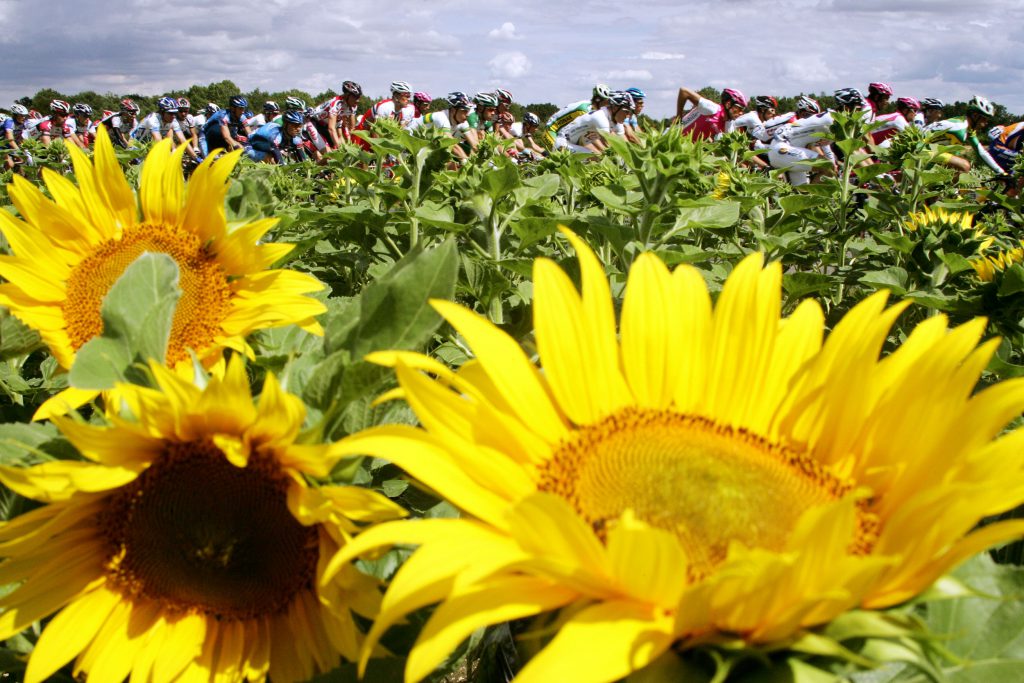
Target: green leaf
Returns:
[705, 213]
[16, 339]
[798, 203]
[799, 285]
[1012, 280]
[137, 315]
[26, 443]
[893, 278]
[500, 181]
[395, 312]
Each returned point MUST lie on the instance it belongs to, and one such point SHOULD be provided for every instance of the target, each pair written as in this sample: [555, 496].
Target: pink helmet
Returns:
[909, 103]
[422, 98]
[879, 89]
[734, 95]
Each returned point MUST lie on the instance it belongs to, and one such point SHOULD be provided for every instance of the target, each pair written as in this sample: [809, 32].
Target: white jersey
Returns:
[803, 132]
[766, 130]
[748, 122]
[439, 120]
[187, 125]
[704, 107]
[919, 120]
[516, 129]
[154, 123]
[385, 109]
[255, 122]
[198, 121]
[587, 125]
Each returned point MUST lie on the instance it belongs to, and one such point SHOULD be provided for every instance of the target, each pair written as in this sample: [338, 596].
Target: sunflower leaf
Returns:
[137, 314]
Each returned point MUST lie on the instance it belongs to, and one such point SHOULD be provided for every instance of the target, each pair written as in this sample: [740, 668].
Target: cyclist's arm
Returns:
[182, 140]
[685, 95]
[984, 154]
[226, 134]
[332, 130]
[9, 134]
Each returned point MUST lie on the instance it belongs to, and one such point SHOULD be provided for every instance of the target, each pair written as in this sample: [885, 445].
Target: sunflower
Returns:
[188, 546]
[986, 266]
[68, 252]
[709, 472]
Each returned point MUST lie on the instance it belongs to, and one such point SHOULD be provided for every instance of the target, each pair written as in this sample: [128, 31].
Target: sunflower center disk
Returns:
[707, 484]
[198, 534]
[205, 293]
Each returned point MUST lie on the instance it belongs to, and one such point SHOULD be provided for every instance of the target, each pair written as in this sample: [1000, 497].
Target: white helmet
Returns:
[19, 109]
[401, 87]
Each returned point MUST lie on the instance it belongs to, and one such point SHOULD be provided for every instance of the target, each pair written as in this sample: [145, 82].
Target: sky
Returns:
[540, 50]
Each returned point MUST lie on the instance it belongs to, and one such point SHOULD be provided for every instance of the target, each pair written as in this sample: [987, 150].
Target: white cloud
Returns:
[809, 69]
[978, 67]
[506, 32]
[509, 65]
[629, 75]
[662, 56]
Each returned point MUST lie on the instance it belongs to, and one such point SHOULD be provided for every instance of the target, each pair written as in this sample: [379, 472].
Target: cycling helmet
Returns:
[401, 87]
[270, 107]
[183, 103]
[294, 104]
[977, 104]
[531, 119]
[19, 109]
[82, 108]
[309, 113]
[238, 101]
[503, 95]
[909, 103]
[932, 103]
[458, 100]
[352, 88]
[735, 96]
[422, 98]
[636, 93]
[167, 105]
[293, 116]
[60, 107]
[3, 117]
[601, 91]
[880, 89]
[848, 97]
[765, 102]
[622, 100]
[808, 104]
[212, 108]
[485, 99]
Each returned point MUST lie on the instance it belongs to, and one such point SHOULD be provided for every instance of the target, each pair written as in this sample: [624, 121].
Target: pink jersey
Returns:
[891, 124]
[704, 121]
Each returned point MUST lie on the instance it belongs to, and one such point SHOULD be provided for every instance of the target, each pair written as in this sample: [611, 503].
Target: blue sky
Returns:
[541, 51]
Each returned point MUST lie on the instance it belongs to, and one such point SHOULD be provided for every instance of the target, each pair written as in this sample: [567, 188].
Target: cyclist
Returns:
[54, 126]
[226, 129]
[13, 134]
[336, 118]
[454, 121]
[765, 107]
[421, 101]
[583, 135]
[482, 118]
[566, 115]
[187, 122]
[270, 112]
[632, 124]
[705, 119]
[269, 140]
[1006, 144]
[891, 124]
[398, 107]
[765, 133]
[161, 123]
[503, 118]
[83, 130]
[796, 145]
[122, 123]
[964, 130]
[524, 132]
[931, 110]
[878, 99]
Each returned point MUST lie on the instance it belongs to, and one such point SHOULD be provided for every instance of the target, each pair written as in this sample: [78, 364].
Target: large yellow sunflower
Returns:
[710, 471]
[188, 547]
[69, 251]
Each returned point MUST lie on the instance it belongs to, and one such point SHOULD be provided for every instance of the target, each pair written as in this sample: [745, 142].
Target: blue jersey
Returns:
[211, 130]
[267, 137]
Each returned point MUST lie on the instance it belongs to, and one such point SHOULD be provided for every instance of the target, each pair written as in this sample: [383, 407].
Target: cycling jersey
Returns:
[804, 132]
[255, 122]
[212, 130]
[891, 124]
[956, 130]
[17, 131]
[566, 115]
[705, 120]
[441, 121]
[1006, 143]
[125, 124]
[747, 122]
[385, 109]
[86, 132]
[46, 127]
[154, 123]
[575, 134]
[187, 125]
[919, 120]
[765, 131]
[198, 121]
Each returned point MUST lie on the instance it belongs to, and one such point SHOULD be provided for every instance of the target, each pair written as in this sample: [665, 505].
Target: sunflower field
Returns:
[650, 417]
